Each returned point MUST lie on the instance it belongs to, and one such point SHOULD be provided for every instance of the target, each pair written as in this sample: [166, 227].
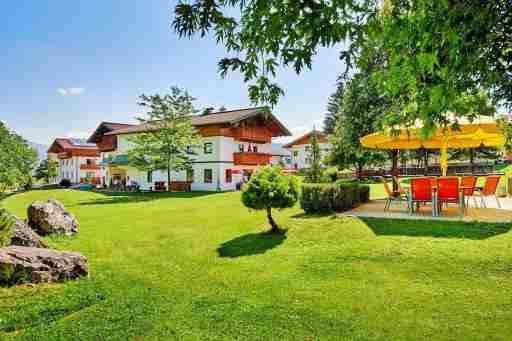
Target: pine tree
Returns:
[314, 172]
[333, 108]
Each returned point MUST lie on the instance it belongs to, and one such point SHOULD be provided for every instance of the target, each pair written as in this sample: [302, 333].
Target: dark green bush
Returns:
[338, 197]
[6, 227]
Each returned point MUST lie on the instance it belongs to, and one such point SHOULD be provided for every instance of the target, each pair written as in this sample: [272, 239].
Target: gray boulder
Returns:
[24, 236]
[19, 264]
[51, 217]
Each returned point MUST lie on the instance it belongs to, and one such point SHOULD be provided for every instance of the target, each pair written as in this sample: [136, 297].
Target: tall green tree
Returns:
[17, 160]
[438, 51]
[47, 170]
[170, 134]
[362, 109]
[333, 108]
[314, 172]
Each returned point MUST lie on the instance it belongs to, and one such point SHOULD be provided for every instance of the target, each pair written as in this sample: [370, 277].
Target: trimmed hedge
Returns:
[338, 197]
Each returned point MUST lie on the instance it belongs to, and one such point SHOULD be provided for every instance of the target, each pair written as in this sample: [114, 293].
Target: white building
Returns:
[77, 160]
[233, 144]
[281, 156]
[300, 149]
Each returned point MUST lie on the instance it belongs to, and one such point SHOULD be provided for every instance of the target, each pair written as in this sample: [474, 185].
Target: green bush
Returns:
[268, 188]
[6, 227]
[338, 197]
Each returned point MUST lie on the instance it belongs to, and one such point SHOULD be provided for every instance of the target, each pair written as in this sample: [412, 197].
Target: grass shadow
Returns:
[435, 229]
[251, 244]
[304, 215]
[133, 197]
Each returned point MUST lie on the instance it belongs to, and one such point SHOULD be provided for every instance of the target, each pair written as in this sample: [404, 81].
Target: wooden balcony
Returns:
[253, 134]
[64, 155]
[108, 143]
[253, 159]
[90, 167]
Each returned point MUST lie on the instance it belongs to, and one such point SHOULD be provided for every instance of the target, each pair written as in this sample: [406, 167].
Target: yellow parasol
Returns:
[467, 136]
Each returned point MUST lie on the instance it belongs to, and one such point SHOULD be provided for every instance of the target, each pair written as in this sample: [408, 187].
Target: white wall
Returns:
[302, 155]
[218, 161]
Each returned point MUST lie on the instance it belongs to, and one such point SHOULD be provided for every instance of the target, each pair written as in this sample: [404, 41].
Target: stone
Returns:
[50, 217]
[20, 264]
[23, 235]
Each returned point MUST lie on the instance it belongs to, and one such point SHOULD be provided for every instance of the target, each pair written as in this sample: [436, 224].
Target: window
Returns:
[89, 161]
[208, 148]
[308, 148]
[89, 175]
[149, 176]
[190, 175]
[241, 147]
[208, 176]
[254, 149]
[295, 153]
[308, 161]
[190, 150]
[229, 176]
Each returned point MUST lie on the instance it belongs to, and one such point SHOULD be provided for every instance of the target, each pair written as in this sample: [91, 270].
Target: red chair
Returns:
[448, 192]
[420, 192]
[468, 186]
[489, 189]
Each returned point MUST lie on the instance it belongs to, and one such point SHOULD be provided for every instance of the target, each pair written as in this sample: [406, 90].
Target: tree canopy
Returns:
[437, 53]
[17, 160]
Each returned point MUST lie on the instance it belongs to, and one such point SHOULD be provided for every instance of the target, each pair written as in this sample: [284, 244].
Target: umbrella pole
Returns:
[394, 168]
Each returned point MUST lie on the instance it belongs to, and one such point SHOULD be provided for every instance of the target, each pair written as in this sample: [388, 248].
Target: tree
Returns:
[47, 170]
[17, 160]
[438, 51]
[314, 172]
[170, 133]
[222, 109]
[442, 58]
[333, 108]
[268, 189]
[361, 110]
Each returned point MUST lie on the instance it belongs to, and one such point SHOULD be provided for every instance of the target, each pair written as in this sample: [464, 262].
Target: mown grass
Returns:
[200, 267]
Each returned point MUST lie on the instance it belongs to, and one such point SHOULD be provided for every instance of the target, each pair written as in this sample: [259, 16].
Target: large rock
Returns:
[24, 236]
[19, 264]
[51, 217]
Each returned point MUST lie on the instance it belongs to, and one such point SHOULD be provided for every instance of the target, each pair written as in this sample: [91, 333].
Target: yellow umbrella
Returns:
[467, 136]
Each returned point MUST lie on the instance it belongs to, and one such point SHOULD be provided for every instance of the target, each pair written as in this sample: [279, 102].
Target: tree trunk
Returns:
[395, 172]
[472, 159]
[271, 221]
[359, 170]
[169, 189]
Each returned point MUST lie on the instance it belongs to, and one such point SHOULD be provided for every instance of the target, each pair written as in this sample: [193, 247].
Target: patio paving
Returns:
[491, 214]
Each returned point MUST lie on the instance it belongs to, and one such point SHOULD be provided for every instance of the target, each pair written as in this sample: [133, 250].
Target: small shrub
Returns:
[66, 183]
[268, 189]
[339, 197]
[330, 174]
[6, 227]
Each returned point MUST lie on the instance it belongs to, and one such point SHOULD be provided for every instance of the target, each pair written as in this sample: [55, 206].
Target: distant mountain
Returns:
[41, 149]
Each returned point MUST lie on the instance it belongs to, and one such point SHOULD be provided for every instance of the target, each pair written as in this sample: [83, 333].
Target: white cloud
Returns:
[70, 91]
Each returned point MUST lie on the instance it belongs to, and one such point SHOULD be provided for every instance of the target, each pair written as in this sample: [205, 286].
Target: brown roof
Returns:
[221, 117]
[66, 144]
[105, 127]
[321, 136]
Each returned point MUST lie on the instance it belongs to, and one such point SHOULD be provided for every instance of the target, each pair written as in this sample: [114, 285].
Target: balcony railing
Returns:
[257, 134]
[90, 167]
[249, 158]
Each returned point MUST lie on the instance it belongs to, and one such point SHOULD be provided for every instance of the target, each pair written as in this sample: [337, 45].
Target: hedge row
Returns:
[337, 197]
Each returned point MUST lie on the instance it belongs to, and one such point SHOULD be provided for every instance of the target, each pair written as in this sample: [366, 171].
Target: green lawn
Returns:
[198, 267]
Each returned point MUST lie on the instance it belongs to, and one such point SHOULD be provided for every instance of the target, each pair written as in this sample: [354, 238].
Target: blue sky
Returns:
[68, 65]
